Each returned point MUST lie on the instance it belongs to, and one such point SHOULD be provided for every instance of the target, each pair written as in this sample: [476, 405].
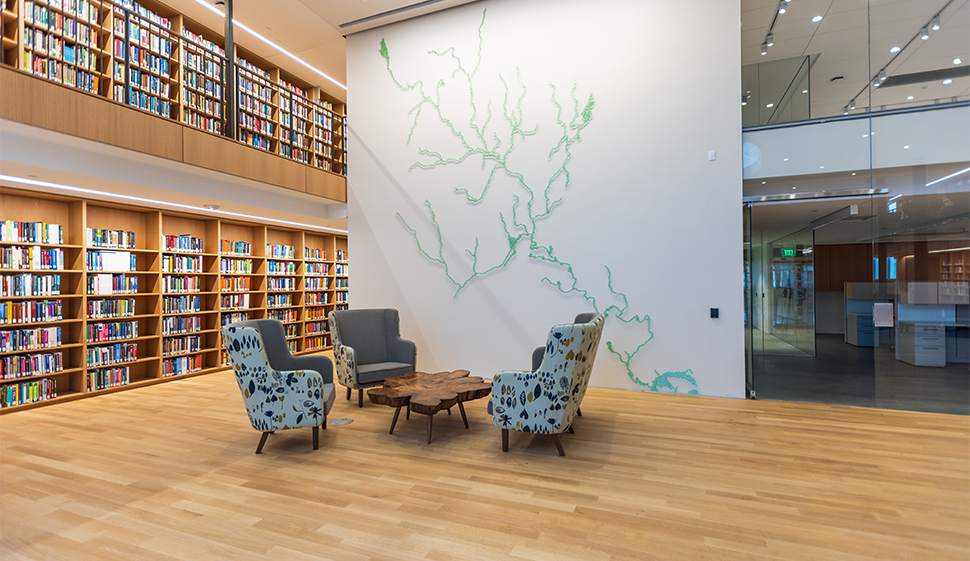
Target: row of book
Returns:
[315, 313]
[194, 119]
[111, 308]
[34, 311]
[180, 304]
[30, 285]
[112, 354]
[253, 139]
[278, 251]
[254, 88]
[185, 243]
[82, 9]
[181, 365]
[104, 332]
[281, 267]
[315, 298]
[27, 392]
[105, 378]
[202, 41]
[316, 284]
[341, 297]
[175, 325]
[31, 232]
[283, 316]
[314, 343]
[255, 106]
[174, 285]
[235, 284]
[314, 254]
[262, 126]
[316, 327]
[294, 153]
[291, 330]
[111, 284]
[181, 264]
[317, 269]
[31, 257]
[228, 247]
[23, 366]
[17, 340]
[278, 284]
[205, 66]
[279, 300]
[341, 283]
[236, 266]
[341, 255]
[211, 107]
[99, 237]
[111, 261]
[233, 317]
[181, 345]
[148, 83]
[341, 270]
[234, 301]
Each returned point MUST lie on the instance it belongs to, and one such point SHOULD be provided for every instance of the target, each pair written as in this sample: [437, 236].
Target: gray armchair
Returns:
[367, 348]
[281, 391]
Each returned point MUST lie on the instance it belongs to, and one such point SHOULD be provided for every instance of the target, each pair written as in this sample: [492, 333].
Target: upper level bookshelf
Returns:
[96, 296]
[146, 55]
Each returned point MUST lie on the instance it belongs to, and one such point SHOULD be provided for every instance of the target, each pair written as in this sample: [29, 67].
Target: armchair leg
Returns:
[505, 440]
[360, 397]
[571, 431]
[555, 438]
[348, 393]
[579, 411]
[262, 440]
[316, 437]
[324, 421]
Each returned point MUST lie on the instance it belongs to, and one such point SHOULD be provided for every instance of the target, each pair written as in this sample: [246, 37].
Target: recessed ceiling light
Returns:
[816, 19]
[947, 82]
[786, 159]
[853, 173]
[909, 98]
[821, 167]
[770, 105]
[793, 188]
[763, 182]
[804, 91]
[895, 50]
[906, 147]
[865, 136]
[957, 61]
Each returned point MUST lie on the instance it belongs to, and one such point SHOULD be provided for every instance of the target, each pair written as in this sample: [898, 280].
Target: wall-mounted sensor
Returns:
[714, 312]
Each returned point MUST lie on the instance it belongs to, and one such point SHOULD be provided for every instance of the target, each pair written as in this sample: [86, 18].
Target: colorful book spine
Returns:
[22, 366]
[31, 232]
[37, 311]
[180, 304]
[105, 378]
[30, 285]
[228, 247]
[181, 365]
[31, 257]
[102, 309]
[175, 325]
[27, 392]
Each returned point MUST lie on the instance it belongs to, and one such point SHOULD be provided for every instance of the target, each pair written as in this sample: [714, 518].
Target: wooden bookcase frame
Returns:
[150, 226]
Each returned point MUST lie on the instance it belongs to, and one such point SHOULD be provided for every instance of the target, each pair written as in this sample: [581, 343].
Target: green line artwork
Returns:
[481, 126]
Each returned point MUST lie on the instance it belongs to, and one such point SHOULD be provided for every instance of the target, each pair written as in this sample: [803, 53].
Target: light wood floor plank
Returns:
[168, 472]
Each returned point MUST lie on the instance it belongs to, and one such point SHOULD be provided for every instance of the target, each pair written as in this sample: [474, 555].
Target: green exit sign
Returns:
[788, 252]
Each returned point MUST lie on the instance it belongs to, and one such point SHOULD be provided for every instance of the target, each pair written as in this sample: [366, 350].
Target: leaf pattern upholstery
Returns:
[275, 400]
[545, 401]
[344, 359]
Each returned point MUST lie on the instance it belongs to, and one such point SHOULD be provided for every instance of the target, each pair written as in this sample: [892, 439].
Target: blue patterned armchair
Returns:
[367, 348]
[546, 400]
[280, 391]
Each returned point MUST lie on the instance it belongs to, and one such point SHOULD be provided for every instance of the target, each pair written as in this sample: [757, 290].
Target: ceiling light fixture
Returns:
[816, 19]
[935, 23]
[782, 9]
[770, 41]
[744, 100]
[156, 203]
[764, 49]
[237, 23]
[882, 75]
[852, 104]
[770, 105]
[804, 91]
[909, 98]
[895, 50]
[845, 110]
[924, 34]
[947, 82]
[952, 175]
[957, 61]
[946, 250]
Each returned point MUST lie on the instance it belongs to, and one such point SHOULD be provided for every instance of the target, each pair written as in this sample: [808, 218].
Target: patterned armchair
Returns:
[280, 391]
[546, 400]
[367, 348]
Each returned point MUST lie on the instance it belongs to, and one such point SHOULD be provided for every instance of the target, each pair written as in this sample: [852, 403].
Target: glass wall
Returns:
[857, 224]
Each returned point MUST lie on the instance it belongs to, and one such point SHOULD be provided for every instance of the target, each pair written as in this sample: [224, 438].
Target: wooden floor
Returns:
[168, 472]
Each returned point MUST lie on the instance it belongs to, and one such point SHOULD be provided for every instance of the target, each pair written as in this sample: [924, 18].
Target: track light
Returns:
[845, 110]
[782, 9]
[852, 105]
[770, 41]
[924, 33]
[764, 49]
[882, 75]
[935, 23]
[744, 100]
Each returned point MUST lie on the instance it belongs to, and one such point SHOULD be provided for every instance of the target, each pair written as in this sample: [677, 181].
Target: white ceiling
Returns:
[310, 29]
[841, 41]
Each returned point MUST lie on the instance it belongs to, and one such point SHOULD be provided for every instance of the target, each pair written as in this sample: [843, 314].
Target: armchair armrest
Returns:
[346, 365]
[402, 350]
[319, 364]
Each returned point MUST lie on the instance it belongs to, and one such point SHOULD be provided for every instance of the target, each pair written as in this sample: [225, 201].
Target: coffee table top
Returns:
[429, 393]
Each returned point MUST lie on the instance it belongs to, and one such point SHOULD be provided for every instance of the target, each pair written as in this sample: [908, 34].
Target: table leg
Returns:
[463, 417]
[430, 423]
[394, 422]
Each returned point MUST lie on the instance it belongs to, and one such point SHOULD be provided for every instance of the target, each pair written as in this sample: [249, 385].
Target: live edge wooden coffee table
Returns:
[429, 393]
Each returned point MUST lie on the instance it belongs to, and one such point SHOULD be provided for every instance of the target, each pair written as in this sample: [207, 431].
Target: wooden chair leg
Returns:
[579, 411]
[571, 431]
[348, 393]
[505, 440]
[262, 440]
[555, 438]
[407, 416]
[360, 397]
[324, 421]
[316, 437]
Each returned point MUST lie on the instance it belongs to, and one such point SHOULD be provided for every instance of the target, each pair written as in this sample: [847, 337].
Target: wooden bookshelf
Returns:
[148, 56]
[182, 286]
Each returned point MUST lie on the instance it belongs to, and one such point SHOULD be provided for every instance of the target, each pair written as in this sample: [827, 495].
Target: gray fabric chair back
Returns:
[278, 355]
[368, 332]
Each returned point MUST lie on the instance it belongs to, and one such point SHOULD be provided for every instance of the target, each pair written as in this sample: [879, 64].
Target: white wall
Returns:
[642, 198]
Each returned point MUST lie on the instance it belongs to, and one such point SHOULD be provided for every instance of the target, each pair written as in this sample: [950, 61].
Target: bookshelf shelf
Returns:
[178, 333]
